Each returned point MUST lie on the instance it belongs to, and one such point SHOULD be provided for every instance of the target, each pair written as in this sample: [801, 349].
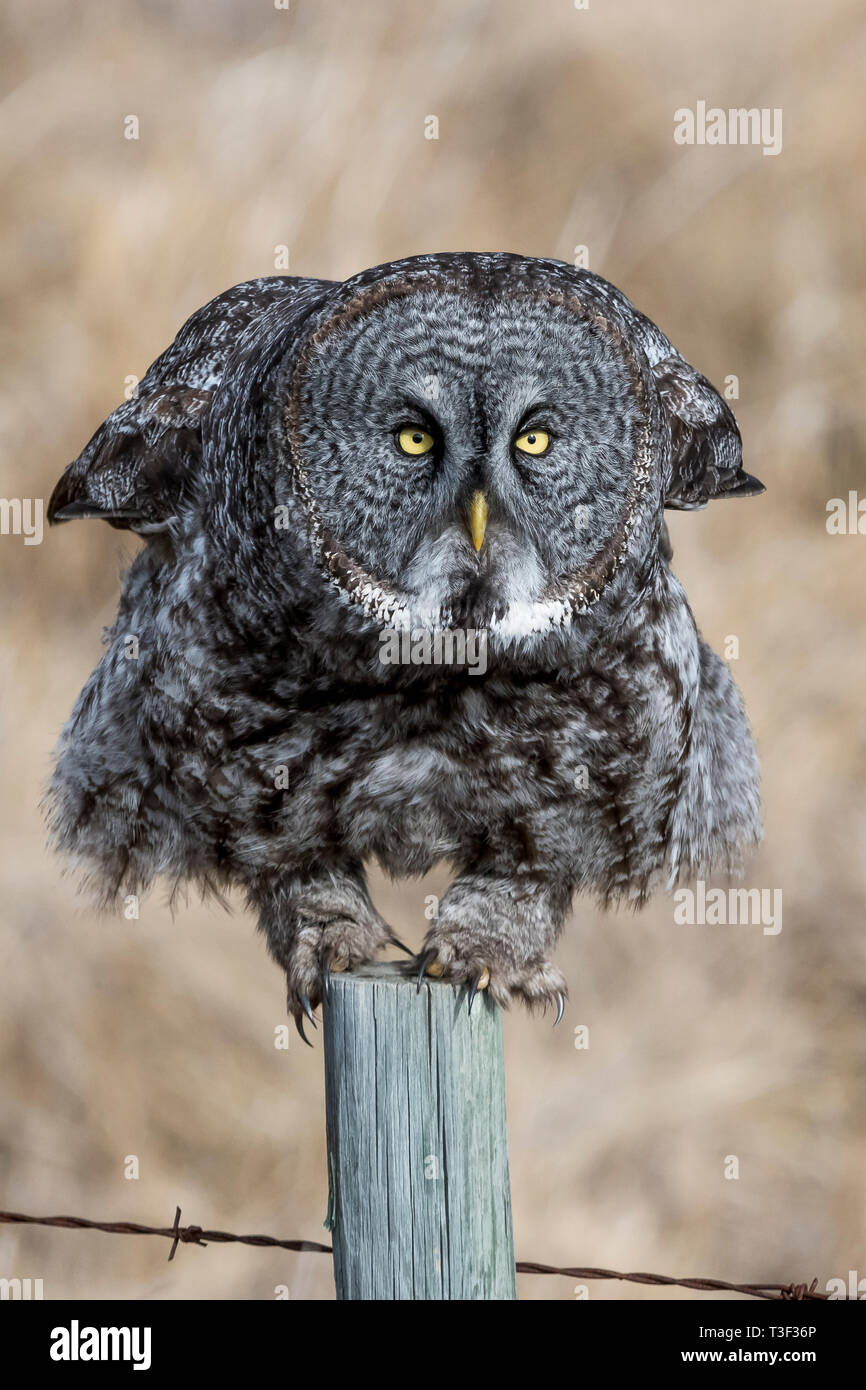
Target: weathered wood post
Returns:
[420, 1203]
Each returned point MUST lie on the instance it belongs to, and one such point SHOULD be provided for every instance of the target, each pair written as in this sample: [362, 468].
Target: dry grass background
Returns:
[261, 127]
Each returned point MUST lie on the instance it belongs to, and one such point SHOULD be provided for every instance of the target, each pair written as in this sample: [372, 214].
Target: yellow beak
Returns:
[478, 518]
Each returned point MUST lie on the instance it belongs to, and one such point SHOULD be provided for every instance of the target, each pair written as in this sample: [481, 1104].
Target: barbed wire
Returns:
[177, 1234]
[196, 1235]
[775, 1292]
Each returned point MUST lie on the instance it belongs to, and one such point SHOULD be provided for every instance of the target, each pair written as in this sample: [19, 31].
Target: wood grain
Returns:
[420, 1203]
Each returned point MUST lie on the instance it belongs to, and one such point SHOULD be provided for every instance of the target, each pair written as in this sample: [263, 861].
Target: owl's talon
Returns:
[332, 963]
[401, 945]
[426, 961]
[299, 1024]
[308, 1010]
[481, 981]
[467, 955]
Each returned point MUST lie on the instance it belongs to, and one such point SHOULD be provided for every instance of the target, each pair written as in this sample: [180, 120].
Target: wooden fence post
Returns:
[420, 1203]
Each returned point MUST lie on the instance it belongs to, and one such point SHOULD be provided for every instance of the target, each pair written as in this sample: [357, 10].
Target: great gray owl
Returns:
[332, 479]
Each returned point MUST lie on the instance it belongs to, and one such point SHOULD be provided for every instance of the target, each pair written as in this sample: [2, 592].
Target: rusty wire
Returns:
[195, 1235]
[777, 1292]
[177, 1234]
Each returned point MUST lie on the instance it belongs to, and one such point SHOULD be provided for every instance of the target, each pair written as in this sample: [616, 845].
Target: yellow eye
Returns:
[414, 440]
[532, 442]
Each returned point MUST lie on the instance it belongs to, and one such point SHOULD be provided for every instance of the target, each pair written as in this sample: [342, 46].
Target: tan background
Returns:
[260, 127]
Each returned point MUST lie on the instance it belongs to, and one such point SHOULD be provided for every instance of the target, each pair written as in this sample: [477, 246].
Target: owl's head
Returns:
[470, 450]
[481, 441]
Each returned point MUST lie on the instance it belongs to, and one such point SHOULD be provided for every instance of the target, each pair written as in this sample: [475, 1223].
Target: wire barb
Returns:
[177, 1234]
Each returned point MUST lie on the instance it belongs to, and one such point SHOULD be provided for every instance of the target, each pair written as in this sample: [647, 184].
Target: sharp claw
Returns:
[308, 1010]
[560, 1010]
[401, 945]
[299, 1024]
[326, 977]
[428, 956]
[481, 981]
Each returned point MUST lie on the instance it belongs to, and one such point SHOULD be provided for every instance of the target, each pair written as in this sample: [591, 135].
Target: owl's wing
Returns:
[137, 468]
[706, 449]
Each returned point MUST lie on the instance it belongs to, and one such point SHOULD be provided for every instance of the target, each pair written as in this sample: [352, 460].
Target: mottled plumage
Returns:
[252, 735]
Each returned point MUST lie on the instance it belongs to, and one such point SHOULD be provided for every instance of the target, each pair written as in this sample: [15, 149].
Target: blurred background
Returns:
[304, 128]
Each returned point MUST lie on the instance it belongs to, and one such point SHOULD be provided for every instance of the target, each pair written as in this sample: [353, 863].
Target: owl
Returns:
[406, 597]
